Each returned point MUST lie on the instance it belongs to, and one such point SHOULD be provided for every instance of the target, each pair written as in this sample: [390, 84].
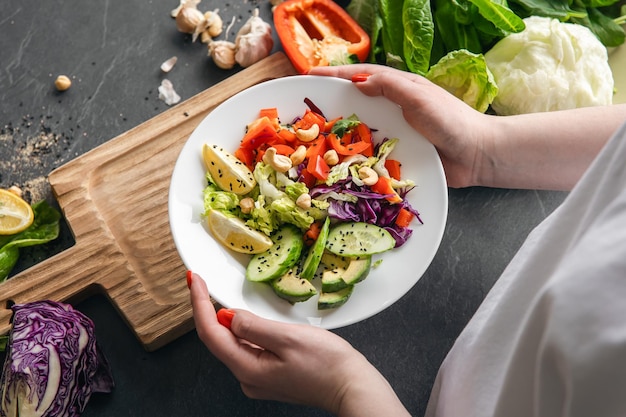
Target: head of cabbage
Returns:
[548, 66]
[53, 363]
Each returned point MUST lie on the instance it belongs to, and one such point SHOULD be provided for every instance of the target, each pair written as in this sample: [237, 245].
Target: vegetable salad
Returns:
[308, 173]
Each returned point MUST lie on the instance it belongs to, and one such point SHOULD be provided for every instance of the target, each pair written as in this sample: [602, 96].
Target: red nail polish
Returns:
[225, 317]
[189, 278]
[359, 78]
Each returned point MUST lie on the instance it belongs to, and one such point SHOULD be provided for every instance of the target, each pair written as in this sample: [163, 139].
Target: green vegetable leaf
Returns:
[606, 29]
[549, 8]
[365, 13]
[342, 126]
[392, 31]
[500, 15]
[45, 227]
[419, 31]
[465, 75]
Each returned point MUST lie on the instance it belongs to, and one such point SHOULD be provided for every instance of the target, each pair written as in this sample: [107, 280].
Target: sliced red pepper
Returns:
[288, 136]
[318, 168]
[312, 31]
[309, 119]
[312, 233]
[247, 156]
[394, 168]
[261, 132]
[348, 149]
[404, 218]
[315, 147]
[383, 186]
[307, 178]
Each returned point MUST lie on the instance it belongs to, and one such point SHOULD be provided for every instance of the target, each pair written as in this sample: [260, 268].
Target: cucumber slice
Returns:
[278, 259]
[358, 239]
[293, 288]
[328, 300]
[316, 251]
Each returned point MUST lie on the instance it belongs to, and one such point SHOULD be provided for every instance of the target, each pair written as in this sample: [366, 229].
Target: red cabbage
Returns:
[53, 363]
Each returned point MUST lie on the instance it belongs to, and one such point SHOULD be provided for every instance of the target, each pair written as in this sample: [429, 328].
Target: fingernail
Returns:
[189, 278]
[359, 78]
[225, 317]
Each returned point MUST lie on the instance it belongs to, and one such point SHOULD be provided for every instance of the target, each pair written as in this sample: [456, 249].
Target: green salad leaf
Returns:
[45, 227]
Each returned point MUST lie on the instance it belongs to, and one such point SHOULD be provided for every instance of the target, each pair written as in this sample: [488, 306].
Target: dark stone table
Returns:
[112, 51]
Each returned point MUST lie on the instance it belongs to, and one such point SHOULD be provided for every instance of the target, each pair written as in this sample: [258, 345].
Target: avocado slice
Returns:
[316, 251]
[329, 300]
[343, 271]
[293, 288]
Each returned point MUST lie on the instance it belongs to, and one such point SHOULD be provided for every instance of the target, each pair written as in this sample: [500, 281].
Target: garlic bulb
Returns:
[184, 3]
[254, 41]
[222, 53]
[188, 18]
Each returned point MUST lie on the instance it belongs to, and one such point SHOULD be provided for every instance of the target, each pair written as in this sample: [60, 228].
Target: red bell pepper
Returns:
[404, 218]
[394, 168]
[347, 149]
[383, 186]
[318, 33]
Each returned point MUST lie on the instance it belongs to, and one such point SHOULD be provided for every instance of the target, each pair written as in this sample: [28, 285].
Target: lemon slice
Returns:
[15, 213]
[228, 172]
[233, 233]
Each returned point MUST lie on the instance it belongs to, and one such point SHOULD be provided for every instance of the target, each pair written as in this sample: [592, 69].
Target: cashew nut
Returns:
[331, 158]
[368, 176]
[246, 205]
[280, 163]
[304, 201]
[298, 156]
[308, 135]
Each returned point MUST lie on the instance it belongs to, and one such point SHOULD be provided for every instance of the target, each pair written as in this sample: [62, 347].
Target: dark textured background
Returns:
[112, 50]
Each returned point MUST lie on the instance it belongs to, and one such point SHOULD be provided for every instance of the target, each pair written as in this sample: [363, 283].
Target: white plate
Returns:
[223, 270]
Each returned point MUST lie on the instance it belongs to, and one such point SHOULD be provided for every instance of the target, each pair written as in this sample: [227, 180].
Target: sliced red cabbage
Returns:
[53, 363]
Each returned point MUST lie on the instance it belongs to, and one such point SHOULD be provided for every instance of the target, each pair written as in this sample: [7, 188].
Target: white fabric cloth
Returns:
[550, 337]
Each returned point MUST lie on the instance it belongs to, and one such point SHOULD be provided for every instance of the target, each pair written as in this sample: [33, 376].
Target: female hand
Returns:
[453, 127]
[548, 150]
[292, 363]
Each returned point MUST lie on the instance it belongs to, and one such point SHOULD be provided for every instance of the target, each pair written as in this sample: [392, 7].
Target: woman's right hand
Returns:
[456, 130]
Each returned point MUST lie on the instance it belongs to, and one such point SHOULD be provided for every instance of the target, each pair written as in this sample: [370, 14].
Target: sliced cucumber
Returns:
[316, 251]
[328, 300]
[293, 288]
[278, 259]
[358, 239]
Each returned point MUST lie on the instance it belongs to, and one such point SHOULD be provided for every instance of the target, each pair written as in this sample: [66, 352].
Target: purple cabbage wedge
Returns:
[53, 363]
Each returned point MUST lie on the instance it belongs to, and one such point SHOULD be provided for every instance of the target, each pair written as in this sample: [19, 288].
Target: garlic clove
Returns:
[169, 64]
[223, 54]
[167, 93]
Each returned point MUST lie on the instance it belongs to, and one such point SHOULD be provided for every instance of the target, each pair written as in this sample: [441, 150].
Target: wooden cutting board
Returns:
[114, 199]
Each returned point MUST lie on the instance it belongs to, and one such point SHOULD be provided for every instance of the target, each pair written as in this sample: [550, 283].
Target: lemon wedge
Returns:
[228, 172]
[234, 234]
[15, 213]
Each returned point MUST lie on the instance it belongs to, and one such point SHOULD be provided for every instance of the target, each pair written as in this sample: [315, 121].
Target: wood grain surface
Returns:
[114, 199]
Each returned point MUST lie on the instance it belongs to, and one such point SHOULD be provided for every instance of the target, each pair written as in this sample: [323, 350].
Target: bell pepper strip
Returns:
[318, 168]
[247, 156]
[383, 186]
[393, 166]
[347, 149]
[288, 136]
[404, 218]
[315, 147]
[312, 233]
[309, 119]
[261, 132]
[319, 33]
